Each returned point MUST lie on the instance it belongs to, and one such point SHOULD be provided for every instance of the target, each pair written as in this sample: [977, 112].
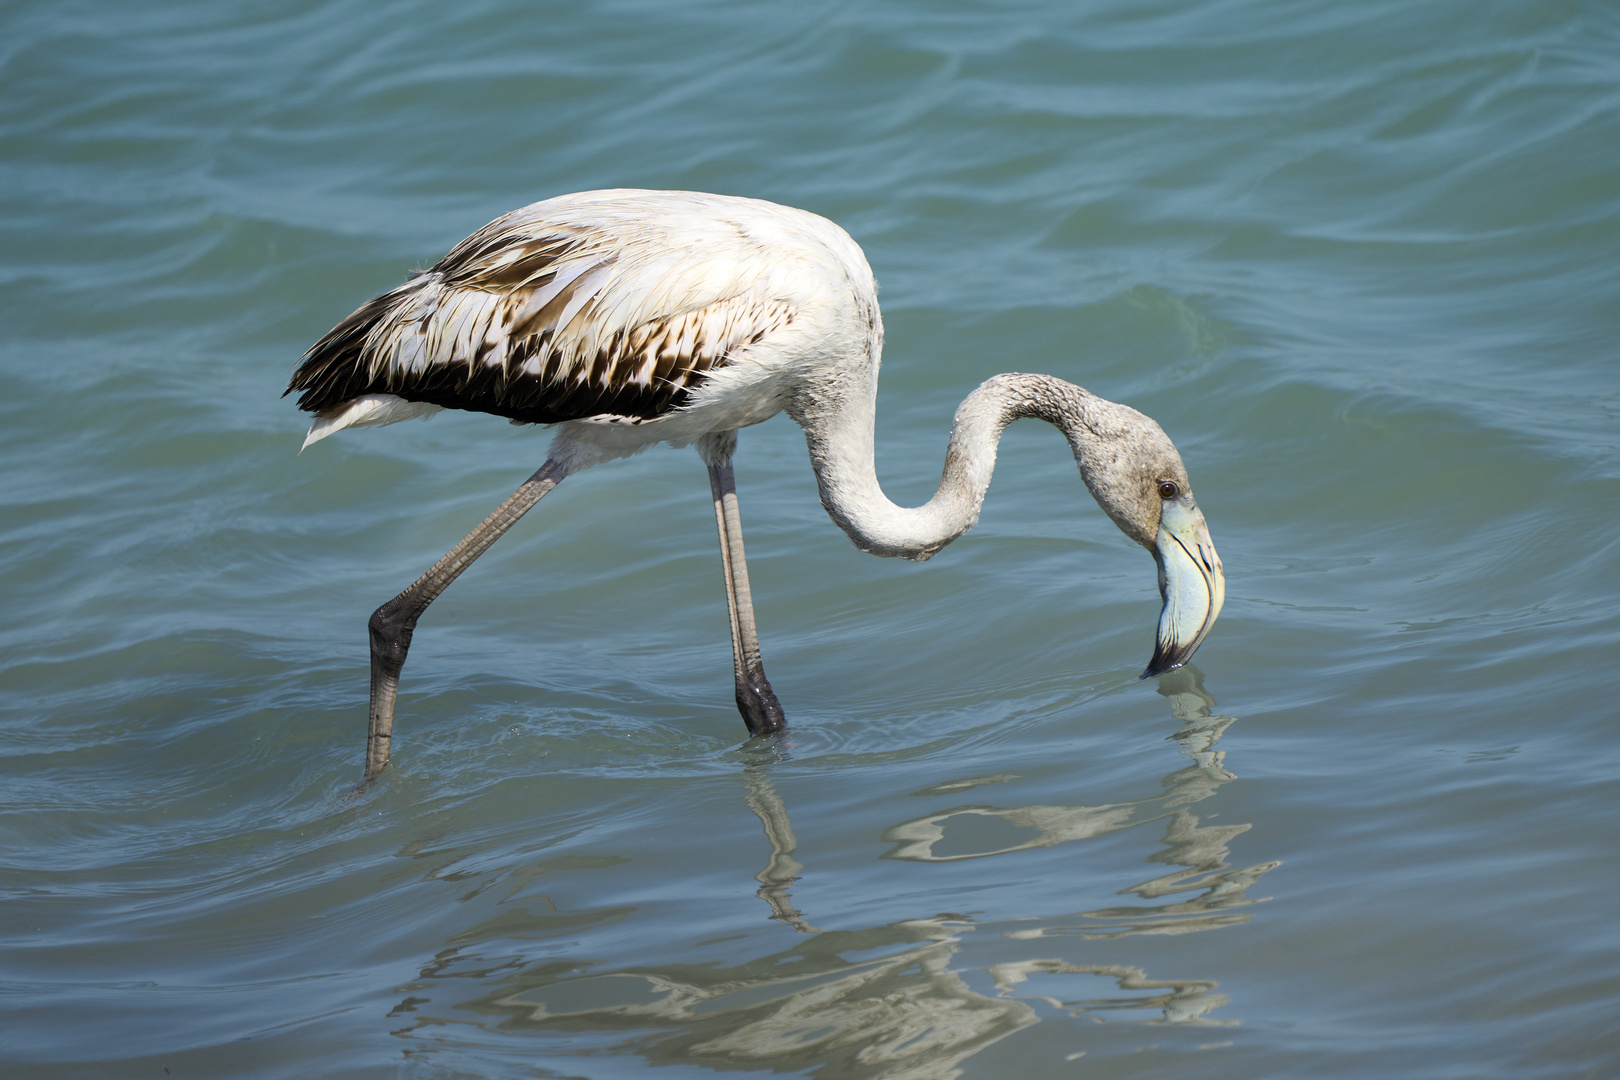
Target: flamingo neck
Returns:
[839, 431]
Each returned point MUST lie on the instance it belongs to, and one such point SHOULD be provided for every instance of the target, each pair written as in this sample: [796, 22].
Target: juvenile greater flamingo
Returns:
[629, 318]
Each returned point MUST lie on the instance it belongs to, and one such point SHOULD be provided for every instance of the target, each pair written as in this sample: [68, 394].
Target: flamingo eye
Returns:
[1169, 489]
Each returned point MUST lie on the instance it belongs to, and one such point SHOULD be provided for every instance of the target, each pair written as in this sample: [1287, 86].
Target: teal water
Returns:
[1358, 259]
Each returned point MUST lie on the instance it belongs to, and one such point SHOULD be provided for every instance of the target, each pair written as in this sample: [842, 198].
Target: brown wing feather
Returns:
[509, 323]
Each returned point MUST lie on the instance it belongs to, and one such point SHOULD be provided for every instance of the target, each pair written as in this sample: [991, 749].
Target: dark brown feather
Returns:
[345, 364]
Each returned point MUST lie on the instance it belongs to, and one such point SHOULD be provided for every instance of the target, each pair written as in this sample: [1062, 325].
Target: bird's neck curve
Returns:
[839, 426]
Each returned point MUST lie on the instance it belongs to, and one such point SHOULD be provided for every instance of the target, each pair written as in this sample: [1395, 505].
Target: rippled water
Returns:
[1358, 259]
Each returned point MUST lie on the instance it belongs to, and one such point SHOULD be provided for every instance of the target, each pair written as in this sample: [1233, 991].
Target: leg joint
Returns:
[391, 628]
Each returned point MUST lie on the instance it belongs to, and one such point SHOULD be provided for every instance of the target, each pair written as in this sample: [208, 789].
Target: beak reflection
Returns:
[1190, 581]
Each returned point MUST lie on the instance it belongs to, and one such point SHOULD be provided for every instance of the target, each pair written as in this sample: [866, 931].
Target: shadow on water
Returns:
[886, 1002]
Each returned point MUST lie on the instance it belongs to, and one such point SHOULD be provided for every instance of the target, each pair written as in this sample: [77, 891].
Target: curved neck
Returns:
[839, 427]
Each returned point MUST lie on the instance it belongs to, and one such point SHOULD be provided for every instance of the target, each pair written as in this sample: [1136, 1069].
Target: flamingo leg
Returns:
[393, 624]
[755, 698]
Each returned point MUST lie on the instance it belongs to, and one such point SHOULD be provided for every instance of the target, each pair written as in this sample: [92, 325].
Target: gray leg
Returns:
[755, 698]
[393, 624]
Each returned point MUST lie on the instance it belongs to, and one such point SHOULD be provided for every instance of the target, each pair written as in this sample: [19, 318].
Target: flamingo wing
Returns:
[562, 310]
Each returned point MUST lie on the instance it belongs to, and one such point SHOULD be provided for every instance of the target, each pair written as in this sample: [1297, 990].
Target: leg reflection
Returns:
[783, 869]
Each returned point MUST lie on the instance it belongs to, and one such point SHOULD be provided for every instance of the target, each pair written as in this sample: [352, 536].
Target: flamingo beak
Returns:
[1190, 581]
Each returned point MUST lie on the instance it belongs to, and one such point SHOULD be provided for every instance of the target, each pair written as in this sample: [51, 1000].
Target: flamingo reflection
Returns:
[910, 1000]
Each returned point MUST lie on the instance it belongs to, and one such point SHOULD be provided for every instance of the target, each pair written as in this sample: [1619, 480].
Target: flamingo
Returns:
[628, 318]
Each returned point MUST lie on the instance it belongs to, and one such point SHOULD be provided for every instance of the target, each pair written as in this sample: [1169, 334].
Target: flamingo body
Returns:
[678, 312]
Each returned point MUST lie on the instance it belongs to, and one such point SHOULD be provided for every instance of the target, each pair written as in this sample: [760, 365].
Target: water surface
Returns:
[1358, 260]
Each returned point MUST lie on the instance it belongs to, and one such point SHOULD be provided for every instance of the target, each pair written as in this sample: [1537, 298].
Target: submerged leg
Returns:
[394, 622]
[755, 698]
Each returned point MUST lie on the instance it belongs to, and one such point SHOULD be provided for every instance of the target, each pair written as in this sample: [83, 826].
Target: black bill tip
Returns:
[1168, 658]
